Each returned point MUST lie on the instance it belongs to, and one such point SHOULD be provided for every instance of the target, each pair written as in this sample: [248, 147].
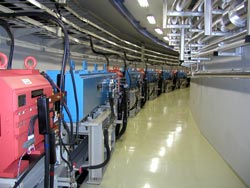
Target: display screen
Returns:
[21, 100]
[36, 93]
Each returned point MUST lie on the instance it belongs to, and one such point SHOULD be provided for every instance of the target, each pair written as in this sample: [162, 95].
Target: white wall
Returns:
[221, 108]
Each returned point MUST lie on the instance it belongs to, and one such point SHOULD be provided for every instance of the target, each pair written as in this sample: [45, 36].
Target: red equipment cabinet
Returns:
[18, 104]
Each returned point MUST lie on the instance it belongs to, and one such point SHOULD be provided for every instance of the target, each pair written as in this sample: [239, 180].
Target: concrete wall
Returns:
[221, 108]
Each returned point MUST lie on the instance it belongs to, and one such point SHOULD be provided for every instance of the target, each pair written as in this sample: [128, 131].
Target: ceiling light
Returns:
[151, 19]
[143, 3]
[159, 31]
[166, 38]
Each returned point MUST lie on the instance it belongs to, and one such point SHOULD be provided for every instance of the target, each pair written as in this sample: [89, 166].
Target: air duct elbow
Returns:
[181, 5]
[235, 17]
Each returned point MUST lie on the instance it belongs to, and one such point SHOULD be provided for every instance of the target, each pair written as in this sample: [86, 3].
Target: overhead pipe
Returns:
[248, 16]
[181, 5]
[106, 54]
[227, 22]
[49, 11]
[128, 59]
[182, 45]
[225, 47]
[232, 74]
[198, 6]
[236, 16]
[6, 26]
[228, 39]
[223, 3]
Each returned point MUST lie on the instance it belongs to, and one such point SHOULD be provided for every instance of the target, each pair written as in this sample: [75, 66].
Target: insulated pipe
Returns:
[180, 5]
[6, 26]
[248, 16]
[223, 3]
[229, 39]
[235, 17]
[230, 46]
[223, 74]
[198, 6]
[182, 46]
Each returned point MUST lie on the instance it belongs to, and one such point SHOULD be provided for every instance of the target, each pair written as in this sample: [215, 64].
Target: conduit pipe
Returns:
[198, 6]
[225, 47]
[232, 74]
[181, 5]
[229, 39]
[234, 17]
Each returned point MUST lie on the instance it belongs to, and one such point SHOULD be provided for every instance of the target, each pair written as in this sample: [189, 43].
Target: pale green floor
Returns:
[163, 148]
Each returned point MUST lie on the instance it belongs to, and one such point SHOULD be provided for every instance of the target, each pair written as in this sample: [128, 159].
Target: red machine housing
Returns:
[18, 97]
[119, 75]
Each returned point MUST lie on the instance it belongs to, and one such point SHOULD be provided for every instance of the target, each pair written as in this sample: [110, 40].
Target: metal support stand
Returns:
[94, 129]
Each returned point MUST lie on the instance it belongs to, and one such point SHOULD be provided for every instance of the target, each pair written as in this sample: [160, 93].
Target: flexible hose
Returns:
[76, 101]
[111, 103]
[71, 122]
[17, 183]
[106, 144]
[124, 113]
[52, 161]
[6, 26]
[52, 171]
[135, 104]
[45, 16]
[66, 53]
[46, 161]
[52, 83]
[106, 54]
[119, 115]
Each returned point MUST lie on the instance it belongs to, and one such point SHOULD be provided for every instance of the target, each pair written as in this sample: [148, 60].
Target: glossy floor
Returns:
[163, 148]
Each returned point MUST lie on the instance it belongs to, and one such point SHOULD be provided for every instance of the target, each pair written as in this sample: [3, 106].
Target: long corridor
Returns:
[163, 148]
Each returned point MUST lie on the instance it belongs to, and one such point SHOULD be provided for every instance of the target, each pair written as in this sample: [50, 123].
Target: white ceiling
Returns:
[106, 15]
[155, 8]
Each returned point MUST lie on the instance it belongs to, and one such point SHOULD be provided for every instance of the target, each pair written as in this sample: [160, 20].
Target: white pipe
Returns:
[181, 5]
[182, 46]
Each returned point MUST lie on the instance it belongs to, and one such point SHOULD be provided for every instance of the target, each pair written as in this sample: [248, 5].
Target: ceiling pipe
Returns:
[223, 4]
[181, 5]
[198, 6]
[182, 45]
[236, 16]
[228, 39]
[232, 18]
[232, 74]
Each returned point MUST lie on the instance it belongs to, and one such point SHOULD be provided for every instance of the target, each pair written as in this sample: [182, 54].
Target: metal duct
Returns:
[175, 20]
[223, 4]
[198, 6]
[180, 5]
[235, 16]
[182, 45]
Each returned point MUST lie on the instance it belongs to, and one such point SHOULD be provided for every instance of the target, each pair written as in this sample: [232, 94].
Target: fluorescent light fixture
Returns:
[143, 3]
[166, 38]
[151, 19]
[159, 31]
